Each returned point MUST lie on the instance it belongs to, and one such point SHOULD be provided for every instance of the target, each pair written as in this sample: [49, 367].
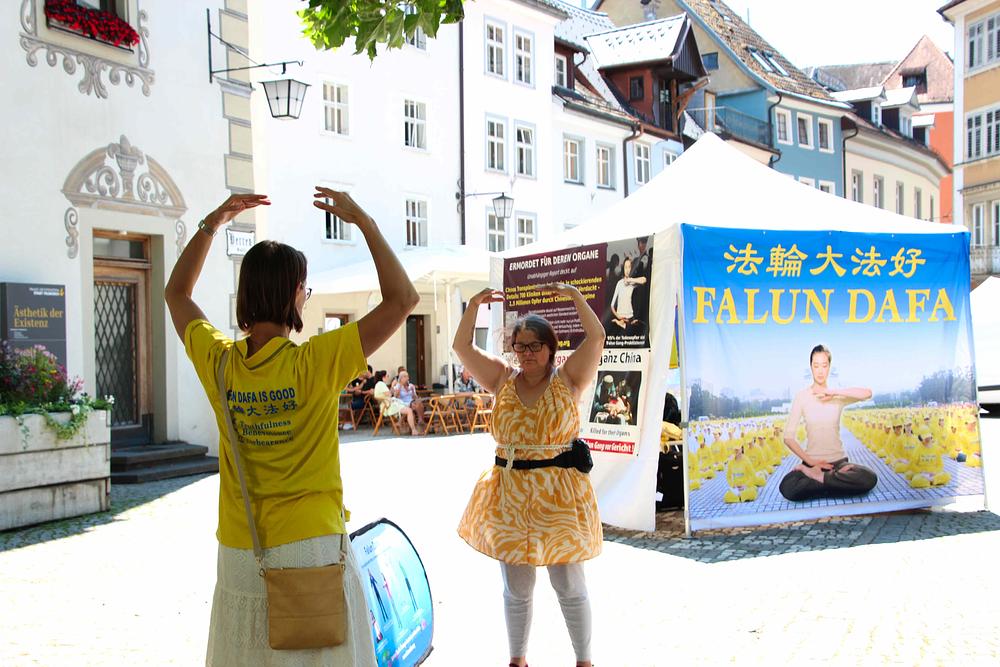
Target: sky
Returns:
[824, 32]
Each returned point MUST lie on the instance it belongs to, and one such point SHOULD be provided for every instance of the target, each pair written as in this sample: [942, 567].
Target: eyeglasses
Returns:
[534, 347]
[309, 292]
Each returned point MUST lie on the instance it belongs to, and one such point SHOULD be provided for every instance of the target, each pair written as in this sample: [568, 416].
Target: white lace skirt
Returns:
[237, 635]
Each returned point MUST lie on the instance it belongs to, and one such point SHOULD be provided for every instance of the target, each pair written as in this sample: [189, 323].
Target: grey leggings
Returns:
[837, 483]
[571, 589]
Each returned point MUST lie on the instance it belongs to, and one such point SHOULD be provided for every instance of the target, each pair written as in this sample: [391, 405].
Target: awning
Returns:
[451, 264]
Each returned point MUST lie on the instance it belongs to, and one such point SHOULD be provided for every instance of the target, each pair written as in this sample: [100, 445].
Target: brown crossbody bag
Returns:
[305, 605]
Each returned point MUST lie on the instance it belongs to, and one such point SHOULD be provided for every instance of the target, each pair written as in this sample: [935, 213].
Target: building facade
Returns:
[115, 153]
[977, 128]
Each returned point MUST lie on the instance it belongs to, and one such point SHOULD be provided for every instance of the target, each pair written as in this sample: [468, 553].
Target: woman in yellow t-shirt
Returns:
[283, 399]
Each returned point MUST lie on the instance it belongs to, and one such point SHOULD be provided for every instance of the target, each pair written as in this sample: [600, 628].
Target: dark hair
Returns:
[816, 350]
[269, 280]
[379, 376]
[542, 329]
[369, 368]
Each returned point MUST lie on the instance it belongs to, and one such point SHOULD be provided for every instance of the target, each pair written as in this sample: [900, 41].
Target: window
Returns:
[333, 321]
[668, 159]
[918, 209]
[495, 146]
[992, 146]
[982, 134]
[415, 124]
[761, 60]
[572, 151]
[636, 89]
[877, 114]
[605, 166]
[336, 229]
[825, 135]
[857, 186]
[827, 187]
[416, 222]
[335, 108]
[900, 193]
[916, 80]
[977, 225]
[495, 49]
[524, 59]
[878, 191]
[641, 163]
[561, 71]
[775, 65]
[803, 124]
[996, 223]
[905, 125]
[525, 229]
[710, 60]
[932, 218]
[975, 42]
[418, 39]
[782, 126]
[496, 233]
[811, 182]
[524, 142]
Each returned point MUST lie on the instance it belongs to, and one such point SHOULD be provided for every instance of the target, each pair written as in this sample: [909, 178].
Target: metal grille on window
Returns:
[116, 344]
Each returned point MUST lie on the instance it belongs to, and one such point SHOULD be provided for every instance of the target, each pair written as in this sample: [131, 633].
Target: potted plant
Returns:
[55, 451]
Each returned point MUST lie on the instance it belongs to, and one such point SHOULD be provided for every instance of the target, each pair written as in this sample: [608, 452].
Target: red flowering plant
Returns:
[33, 382]
[93, 23]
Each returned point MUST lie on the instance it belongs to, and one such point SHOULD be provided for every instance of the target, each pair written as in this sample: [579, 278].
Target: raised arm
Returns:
[852, 394]
[399, 297]
[489, 370]
[581, 366]
[180, 287]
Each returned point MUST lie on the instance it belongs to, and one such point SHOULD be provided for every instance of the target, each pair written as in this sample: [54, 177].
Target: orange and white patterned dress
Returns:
[545, 516]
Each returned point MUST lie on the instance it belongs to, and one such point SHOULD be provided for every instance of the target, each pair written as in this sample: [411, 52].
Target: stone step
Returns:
[127, 458]
[166, 470]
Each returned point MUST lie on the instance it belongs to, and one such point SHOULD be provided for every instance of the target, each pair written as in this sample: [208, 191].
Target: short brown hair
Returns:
[269, 280]
[542, 329]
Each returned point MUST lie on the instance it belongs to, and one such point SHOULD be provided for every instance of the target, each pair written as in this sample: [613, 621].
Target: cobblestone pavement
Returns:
[133, 586]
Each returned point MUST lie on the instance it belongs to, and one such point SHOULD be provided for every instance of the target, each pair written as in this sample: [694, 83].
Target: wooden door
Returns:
[416, 360]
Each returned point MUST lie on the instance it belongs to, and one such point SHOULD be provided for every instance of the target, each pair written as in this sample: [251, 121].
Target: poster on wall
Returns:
[827, 373]
[33, 314]
[400, 609]
[615, 279]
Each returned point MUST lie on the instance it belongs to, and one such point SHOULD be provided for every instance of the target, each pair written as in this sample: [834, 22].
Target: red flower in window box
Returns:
[93, 23]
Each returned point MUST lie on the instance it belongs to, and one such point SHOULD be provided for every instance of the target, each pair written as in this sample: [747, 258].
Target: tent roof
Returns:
[715, 185]
[446, 264]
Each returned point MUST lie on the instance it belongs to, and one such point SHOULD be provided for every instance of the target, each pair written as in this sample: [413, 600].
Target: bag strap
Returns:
[234, 445]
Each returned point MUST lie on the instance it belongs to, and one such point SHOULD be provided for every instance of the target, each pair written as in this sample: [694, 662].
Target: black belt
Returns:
[564, 460]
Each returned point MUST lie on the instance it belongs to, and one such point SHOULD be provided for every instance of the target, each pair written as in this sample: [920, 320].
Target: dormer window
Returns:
[635, 88]
[905, 125]
[916, 80]
[876, 114]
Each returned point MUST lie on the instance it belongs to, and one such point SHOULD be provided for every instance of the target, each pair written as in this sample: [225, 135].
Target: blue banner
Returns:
[399, 597]
[826, 373]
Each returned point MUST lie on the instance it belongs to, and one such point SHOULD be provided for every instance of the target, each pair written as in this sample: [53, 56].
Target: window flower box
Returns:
[103, 26]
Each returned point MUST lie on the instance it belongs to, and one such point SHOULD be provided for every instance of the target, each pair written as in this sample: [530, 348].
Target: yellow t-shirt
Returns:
[284, 403]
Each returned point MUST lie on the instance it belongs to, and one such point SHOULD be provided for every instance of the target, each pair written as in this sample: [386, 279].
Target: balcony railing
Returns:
[985, 260]
[730, 122]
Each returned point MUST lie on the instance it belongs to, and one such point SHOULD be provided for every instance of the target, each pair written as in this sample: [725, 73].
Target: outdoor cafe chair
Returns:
[483, 414]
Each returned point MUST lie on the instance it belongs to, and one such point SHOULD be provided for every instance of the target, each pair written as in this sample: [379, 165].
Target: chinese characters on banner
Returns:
[615, 279]
[883, 415]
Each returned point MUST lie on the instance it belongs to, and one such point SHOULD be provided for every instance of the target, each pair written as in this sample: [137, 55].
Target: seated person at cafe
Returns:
[466, 384]
[406, 392]
[361, 387]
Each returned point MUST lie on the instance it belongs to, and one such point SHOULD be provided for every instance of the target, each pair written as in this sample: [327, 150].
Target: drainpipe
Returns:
[843, 148]
[636, 133]
[461, 129]
[770, 129]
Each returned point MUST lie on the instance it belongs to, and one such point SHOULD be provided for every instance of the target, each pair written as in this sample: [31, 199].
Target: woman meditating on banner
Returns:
[824, 470]
[535, 507]
[284, 398]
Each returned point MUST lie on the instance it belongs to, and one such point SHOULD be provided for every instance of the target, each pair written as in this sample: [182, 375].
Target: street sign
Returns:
[238, 243]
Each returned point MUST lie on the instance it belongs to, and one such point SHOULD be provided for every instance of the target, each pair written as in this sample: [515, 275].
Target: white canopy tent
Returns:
[985, 303]
[710, 184]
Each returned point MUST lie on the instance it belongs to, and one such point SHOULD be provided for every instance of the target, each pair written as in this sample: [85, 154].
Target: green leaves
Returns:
[329, 24]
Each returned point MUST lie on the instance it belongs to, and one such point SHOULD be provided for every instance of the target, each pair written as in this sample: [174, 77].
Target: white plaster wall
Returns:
[50, 126]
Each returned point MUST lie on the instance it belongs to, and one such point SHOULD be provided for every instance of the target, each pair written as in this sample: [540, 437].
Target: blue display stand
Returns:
[401, 611]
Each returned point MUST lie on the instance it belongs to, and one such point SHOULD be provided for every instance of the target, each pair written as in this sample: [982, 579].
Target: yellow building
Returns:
[977, 128]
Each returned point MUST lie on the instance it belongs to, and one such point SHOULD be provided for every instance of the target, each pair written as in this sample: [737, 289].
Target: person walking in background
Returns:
[284, 398]
[535, 507]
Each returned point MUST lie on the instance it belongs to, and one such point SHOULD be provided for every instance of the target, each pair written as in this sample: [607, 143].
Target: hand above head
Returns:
[341, 205]
[488, 295]
[232, 207]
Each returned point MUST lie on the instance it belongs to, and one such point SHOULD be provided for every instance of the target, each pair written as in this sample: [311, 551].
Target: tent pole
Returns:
[685, 413]
[450, 374]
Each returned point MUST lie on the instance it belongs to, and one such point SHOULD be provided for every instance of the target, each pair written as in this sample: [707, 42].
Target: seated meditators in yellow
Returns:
[741, 479]
[928, 467]
[825, 470]
[906, 450]
[536, 505]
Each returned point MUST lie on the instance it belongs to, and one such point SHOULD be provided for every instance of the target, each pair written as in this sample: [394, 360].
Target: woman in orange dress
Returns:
[534, 508]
